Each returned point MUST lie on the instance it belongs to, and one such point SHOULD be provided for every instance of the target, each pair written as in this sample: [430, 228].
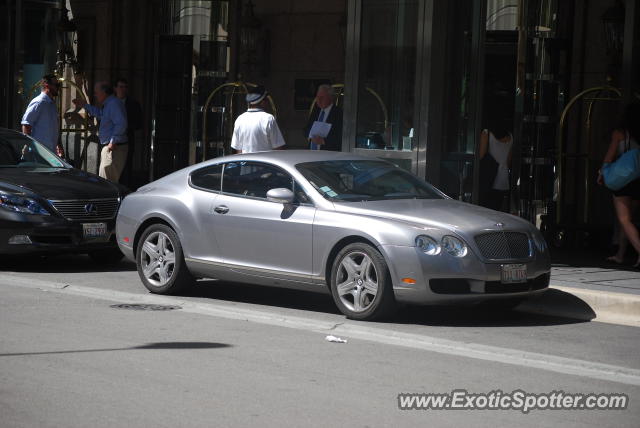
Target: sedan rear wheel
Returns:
[160, 261]
[361, 284]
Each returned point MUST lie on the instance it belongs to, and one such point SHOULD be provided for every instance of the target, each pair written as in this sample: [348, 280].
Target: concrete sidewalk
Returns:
[585, 286]
[607, 279]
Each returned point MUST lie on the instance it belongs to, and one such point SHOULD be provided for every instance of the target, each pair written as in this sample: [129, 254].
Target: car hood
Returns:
[58, 183]
[440, 213]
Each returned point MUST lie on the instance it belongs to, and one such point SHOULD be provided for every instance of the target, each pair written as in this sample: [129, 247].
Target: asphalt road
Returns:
[239, 355]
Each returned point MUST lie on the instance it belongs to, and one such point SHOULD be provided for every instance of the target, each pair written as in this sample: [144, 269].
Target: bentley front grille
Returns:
[504, 245]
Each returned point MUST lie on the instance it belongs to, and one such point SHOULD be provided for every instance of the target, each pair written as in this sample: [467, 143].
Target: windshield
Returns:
[365, 180]
[18, 151]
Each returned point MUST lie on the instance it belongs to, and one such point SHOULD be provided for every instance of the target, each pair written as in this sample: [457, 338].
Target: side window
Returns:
[254, 179]
[208, 178]
[301, 195]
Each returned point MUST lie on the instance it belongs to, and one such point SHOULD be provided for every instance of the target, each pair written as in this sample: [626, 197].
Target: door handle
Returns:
[221, 209]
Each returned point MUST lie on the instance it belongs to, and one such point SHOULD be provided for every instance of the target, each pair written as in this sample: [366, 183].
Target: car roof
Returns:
[292, 157]
[4, 132]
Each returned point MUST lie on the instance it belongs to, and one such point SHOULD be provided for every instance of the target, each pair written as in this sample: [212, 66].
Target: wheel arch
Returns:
[338, 246]
[144, 225]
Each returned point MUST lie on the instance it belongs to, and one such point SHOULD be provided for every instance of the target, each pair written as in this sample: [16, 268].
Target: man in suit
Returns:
[134, 123]
[326, 111]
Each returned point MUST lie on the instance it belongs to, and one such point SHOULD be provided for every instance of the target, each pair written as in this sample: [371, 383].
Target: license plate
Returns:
[514, 273]
[94, 230]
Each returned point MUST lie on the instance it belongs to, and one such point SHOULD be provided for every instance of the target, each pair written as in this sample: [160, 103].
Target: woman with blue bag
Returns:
[620, 173]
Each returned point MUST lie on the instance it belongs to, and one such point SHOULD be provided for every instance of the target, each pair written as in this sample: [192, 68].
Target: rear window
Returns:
[254, 179]
[208, 178]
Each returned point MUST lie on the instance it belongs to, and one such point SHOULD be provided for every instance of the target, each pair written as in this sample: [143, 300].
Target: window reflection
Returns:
[458, 139]
[385, 118]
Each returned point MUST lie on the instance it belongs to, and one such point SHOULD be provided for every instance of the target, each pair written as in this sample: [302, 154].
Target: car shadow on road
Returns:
[450, 316]
[155, 345]
[264, 296]
[442, 316]
[315, 302]
[64, 263]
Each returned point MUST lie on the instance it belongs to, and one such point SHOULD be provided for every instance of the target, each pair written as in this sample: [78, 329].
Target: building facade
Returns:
[418, 81]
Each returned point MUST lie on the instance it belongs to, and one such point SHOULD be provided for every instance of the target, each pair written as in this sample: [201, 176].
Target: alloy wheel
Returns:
[158, 258]
[357, 281]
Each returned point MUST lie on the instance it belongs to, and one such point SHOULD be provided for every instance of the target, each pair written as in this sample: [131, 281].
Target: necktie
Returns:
[321, 117]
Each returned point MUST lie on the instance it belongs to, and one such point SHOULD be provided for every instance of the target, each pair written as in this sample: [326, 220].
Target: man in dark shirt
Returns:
[326, 111]
[134, 120]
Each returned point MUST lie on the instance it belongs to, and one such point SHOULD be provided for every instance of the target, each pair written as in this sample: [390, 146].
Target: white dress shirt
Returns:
[326, 111]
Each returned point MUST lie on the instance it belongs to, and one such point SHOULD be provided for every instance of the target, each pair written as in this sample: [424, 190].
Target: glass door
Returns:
[418, 66]
[463, 61]
[29, 42]
[171, 110]
[385, 105]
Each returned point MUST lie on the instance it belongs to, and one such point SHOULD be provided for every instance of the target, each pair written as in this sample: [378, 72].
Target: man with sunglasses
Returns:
[41, 120]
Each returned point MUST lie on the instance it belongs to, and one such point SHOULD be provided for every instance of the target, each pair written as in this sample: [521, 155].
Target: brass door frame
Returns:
[560, 156]
[242, 88]
[340, 87]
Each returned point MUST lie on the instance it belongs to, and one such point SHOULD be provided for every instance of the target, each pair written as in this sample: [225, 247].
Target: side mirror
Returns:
[281, 196]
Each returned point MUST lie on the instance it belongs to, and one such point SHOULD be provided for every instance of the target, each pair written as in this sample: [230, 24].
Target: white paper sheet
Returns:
[319, 129]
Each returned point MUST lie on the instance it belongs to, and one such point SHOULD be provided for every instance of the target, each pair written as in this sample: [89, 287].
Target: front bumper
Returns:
[51, 234]
[444, 279]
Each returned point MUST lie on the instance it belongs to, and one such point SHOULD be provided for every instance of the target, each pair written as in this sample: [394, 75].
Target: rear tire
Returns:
[361, 284]
[160, 261]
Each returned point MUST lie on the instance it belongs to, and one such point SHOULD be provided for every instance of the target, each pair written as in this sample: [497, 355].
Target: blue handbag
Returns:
[623, 171]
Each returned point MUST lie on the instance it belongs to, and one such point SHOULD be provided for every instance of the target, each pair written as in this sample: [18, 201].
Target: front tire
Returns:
[361, 283]
[160, 261]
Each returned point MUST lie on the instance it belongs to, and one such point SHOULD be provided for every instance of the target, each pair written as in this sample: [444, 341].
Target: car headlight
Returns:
[428, 245]
[454, 246]
[21, 204]
[539, 242]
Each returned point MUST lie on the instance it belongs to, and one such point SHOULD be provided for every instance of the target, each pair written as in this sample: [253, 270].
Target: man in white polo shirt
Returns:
[256, 130]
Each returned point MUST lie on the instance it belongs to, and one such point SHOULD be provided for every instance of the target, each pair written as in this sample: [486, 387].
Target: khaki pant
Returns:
[112, 161]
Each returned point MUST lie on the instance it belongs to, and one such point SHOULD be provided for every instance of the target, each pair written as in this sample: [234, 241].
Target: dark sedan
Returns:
[47, 206]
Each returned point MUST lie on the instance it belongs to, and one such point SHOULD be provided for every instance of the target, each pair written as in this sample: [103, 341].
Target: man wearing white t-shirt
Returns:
[256, 130]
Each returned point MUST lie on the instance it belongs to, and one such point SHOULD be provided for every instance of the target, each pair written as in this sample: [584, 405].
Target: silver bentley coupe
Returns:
[366, 231]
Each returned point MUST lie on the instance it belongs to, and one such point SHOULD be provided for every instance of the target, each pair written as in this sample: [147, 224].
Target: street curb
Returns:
[587, 305]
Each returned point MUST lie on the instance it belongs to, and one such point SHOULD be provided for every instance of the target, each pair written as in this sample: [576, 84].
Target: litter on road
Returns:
[335, 339]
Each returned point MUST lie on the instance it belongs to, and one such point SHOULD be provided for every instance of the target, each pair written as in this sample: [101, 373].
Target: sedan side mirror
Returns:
[281, 196]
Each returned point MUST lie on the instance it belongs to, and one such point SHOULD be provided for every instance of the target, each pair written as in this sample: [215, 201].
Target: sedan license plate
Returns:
[94, 230]
[514, 273]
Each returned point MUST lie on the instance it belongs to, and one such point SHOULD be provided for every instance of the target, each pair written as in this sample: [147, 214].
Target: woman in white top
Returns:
[625, 137]
[496, 142]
